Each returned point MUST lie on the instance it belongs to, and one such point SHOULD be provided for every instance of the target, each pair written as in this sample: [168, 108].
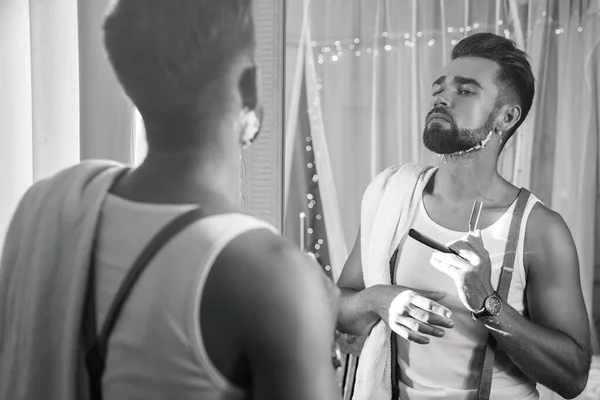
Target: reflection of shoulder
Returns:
[546, 235]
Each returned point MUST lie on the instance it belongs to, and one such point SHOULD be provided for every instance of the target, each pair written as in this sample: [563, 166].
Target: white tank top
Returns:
[156, 349]
[449, 367]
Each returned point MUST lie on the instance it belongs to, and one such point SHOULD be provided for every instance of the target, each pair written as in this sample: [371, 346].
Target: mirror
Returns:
[358, 79]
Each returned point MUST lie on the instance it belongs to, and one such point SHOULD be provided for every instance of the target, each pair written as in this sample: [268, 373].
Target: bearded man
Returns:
[505, 310]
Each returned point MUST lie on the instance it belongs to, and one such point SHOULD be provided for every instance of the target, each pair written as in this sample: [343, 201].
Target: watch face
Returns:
[493, 304]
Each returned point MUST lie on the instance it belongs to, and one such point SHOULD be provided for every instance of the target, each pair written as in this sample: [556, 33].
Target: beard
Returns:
[450, 140]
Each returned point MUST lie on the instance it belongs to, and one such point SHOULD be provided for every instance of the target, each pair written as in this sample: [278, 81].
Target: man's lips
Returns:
[438, 116]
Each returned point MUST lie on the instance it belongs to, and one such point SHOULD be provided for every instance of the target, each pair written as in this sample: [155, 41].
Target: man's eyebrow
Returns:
[462, 80]
[439, 80]
[467, 81]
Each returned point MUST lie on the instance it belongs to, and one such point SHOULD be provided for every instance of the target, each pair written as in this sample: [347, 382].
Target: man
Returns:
[443, 307]
[222, 310]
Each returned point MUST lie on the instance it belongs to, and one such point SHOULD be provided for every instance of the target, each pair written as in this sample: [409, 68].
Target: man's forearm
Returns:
[358, 311]
[545, 355]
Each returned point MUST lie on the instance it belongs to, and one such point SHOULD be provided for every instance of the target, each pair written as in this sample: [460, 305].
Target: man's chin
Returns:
[443, 148]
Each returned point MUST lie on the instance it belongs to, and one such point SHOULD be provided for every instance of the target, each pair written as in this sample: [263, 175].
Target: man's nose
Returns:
[441, 101]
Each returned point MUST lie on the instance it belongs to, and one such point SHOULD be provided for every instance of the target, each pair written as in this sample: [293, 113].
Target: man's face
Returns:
[464, 106]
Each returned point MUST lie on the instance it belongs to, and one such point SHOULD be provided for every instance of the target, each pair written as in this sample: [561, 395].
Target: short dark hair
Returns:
[169, 55]
[515, 76]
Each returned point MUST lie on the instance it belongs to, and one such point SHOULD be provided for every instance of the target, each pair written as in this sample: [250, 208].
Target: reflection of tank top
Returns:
[449, 367]
[156, 350]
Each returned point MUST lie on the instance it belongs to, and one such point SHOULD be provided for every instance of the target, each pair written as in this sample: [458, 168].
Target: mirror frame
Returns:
[262, 164]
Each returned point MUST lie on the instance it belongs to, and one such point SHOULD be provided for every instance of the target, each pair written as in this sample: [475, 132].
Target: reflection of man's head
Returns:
[487, 87]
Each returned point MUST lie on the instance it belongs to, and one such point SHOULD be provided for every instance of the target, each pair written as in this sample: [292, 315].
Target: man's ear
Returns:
[249, 88]
[510, 116]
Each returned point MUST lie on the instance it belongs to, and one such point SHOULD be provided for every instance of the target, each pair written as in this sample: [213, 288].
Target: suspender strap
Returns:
[96, 345]
[395, 367]
[510, 253]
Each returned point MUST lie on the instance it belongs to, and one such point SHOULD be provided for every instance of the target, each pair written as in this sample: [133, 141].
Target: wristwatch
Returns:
[491, 307]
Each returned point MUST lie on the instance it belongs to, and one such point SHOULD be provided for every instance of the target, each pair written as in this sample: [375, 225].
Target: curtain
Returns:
[60, 100]
[375, 61]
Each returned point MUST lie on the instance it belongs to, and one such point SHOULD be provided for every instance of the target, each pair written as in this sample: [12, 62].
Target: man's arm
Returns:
[358, 307]
[407, 311]
[280, 310]
[553, 346]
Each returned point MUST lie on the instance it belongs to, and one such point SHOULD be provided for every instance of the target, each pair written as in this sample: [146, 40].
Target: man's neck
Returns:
[186, 177]
[468, 178]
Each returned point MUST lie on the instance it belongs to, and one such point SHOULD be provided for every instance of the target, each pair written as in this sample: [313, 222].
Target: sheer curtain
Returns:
[374, 64]
[60, 101]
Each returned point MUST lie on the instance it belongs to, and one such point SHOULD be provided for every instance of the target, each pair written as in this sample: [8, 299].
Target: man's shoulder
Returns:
[264, 261]
[547, 234]
[544, 222]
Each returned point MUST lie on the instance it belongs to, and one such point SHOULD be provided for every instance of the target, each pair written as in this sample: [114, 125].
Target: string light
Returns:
[455, 35]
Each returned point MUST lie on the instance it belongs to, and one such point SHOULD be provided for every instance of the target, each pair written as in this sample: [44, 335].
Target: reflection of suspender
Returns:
[96, 345]
[396, 371]
[487, 366]
[510, 254]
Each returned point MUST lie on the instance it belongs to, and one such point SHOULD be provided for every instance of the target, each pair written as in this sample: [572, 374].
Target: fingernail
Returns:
[440, 333]
[451, 324]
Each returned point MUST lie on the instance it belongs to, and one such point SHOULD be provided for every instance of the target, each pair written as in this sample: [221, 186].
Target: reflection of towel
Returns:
[44, 268]
[387, 211]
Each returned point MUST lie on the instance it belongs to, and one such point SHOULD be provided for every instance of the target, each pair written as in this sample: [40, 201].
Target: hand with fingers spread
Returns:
[412, 314]
[471, 272]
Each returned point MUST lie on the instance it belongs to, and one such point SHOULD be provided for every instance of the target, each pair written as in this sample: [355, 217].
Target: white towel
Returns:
[44, 268]
[387, 212]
